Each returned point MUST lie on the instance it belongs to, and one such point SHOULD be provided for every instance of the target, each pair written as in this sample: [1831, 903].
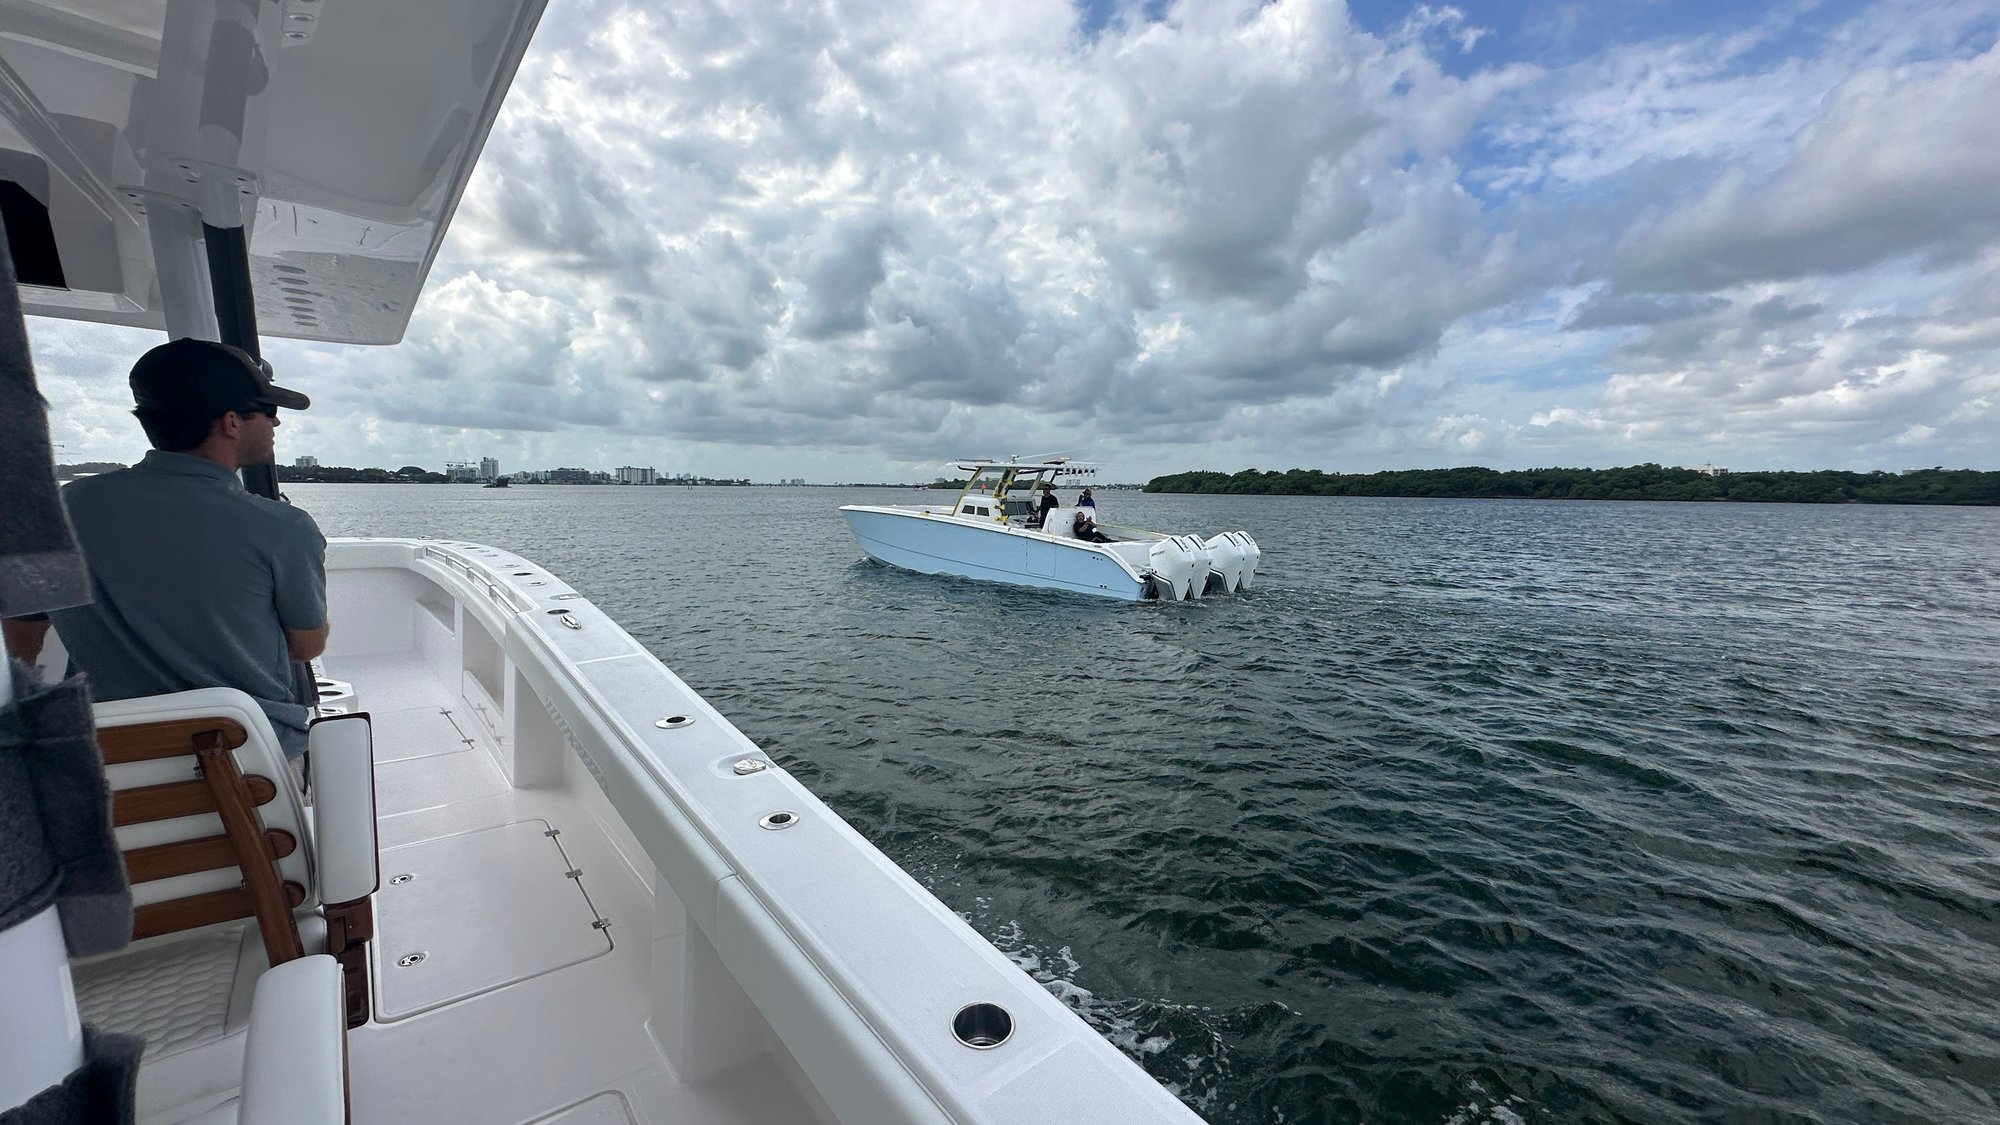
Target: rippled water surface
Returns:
[1471, 811]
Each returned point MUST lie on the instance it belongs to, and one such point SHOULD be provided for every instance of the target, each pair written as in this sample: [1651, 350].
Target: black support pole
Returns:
[236, 318]
[236, 323]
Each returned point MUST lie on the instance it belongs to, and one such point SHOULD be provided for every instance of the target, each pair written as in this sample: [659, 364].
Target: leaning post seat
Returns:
[214, 833]
[295, 1064]
[345, 847]
[204, 807]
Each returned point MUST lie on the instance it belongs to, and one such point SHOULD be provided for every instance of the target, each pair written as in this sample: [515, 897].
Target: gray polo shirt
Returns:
[195, 581]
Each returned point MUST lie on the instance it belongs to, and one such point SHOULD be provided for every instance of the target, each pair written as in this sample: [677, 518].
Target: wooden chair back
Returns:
[180, 820]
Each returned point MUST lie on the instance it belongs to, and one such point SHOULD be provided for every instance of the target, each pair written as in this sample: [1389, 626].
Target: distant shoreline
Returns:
[1959, 487]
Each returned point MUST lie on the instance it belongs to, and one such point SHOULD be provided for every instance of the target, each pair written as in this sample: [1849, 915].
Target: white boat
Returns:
[994, 531]
[592, 898]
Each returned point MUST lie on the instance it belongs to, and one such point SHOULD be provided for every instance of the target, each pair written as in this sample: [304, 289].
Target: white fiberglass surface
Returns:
[604, 1109]
[512, 1030]
[469, 913]
[736, 949]
[342, 138]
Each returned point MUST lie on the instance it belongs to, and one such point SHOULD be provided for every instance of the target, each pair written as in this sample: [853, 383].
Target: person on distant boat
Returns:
[1049, 504]
[1086, 500]
[1086, 529]
[197, 581]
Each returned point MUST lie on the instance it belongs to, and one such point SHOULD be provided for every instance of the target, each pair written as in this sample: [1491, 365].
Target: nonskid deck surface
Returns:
[520, 1009]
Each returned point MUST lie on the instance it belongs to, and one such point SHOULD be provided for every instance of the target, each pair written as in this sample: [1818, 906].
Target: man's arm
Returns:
[298, 575]
[25, 636]
[306, 644]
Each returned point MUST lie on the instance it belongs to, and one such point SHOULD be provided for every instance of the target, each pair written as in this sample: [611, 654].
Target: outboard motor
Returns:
[1234, 556]
[1198, 582]
[1173, 568]
[1225, 561]
[1251, 553]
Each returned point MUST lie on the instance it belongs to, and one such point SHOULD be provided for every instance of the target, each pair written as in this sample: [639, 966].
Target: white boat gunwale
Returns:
[856, 967]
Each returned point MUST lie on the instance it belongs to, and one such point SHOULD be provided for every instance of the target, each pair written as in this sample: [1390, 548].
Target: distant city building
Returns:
[460, 470]
[306, 463]
[1708, 470]
[489, 468]
[794, 482]
[629, 474]
[569, 476]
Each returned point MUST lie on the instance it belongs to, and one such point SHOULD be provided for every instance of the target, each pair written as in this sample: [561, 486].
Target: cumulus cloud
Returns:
[1899, 162]
[881, 235]
[1610, 309]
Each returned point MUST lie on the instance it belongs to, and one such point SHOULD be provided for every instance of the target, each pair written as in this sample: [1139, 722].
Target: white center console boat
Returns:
[540, 879]
[997, 531]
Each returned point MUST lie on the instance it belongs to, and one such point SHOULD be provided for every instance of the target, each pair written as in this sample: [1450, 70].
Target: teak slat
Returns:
[234, 802]
[167, 738]
[178, 914]
[174, 915]
[178, 798]
[185, 857]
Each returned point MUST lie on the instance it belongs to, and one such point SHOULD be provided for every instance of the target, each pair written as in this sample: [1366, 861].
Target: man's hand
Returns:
[306, 644]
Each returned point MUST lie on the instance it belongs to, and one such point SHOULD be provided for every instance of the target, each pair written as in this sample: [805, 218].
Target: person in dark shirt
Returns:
[1049, 504]
[1086, 500]
[1086, 529]
[196, 581]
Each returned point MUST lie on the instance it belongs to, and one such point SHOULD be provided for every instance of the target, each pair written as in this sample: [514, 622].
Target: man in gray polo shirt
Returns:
[197, 581]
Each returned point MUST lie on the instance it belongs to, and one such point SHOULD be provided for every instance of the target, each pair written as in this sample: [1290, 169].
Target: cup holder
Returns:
[982, 1026]
[334, 691]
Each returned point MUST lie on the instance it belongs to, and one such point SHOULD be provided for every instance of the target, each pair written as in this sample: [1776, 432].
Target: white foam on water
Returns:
[1122, 1022]
[1482, 1108]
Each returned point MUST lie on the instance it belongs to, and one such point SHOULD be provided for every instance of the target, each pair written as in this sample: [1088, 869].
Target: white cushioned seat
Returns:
[286, 1067]
[189, 993]
[294, 1070]
[190, 996]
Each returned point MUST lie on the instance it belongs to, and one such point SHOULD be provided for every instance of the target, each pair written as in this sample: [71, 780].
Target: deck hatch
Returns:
[512, 880]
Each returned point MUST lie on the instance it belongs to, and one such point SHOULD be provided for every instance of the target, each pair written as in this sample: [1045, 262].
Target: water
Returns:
[1472, 811]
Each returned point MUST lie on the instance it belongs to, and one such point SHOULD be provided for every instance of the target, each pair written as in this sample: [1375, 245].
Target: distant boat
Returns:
[998, 538]
[501, 483]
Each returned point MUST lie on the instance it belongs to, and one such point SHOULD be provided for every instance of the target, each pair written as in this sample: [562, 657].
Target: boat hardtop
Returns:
[537, 878]
[997, 530]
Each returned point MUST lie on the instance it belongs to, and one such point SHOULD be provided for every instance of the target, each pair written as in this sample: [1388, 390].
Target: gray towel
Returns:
[101, 1092]
[39, 566]
[56, 844]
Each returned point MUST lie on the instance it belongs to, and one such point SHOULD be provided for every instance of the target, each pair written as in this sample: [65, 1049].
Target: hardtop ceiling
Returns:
[341, 131]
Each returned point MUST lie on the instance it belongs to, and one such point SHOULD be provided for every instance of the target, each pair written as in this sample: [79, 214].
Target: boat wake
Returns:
[1485, 1108]
[1182, 1046]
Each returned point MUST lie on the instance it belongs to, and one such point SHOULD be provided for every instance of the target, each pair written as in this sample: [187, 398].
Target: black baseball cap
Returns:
[207, 378]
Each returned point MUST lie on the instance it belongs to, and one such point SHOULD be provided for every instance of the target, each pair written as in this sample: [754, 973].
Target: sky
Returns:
[854, 241]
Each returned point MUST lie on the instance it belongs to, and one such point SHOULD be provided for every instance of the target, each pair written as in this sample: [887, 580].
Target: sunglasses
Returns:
[263, 408]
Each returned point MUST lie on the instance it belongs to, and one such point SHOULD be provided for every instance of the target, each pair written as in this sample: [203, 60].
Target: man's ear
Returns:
[230, 426]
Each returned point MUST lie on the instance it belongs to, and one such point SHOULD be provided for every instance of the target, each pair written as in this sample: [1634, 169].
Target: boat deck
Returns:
[546, 1020]
[754, 961]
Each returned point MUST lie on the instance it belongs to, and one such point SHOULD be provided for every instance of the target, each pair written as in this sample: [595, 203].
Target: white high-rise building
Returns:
[628, 474]
[489, 468]
[306, 463]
